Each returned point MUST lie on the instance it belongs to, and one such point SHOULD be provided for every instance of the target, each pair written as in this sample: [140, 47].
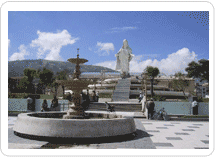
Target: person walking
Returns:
[143, 101]
[150, 107]
[97, 96]
[140, 97]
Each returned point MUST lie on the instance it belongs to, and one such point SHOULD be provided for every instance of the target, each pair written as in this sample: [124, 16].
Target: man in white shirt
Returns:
[140, 97]
[195, 107]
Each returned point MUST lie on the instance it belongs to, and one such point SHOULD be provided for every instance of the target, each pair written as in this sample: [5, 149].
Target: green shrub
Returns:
[105, 95]
[196, 116]
[158, 98]
[16, 112]
[18, 95]
[46, 96]
[200, 99]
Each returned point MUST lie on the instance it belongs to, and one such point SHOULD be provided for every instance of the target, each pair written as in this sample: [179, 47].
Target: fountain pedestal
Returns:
[76, 85]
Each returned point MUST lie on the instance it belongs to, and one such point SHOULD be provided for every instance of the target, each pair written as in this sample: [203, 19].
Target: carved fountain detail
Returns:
[76, 85]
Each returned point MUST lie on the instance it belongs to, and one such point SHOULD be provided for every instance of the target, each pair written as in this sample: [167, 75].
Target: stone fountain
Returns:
[75, 123]
[76, 110]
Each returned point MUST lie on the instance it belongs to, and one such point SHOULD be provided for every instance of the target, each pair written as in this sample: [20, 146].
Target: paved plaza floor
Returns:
[150, 134]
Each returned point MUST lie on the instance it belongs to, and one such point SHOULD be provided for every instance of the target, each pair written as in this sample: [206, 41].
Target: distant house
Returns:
[202, 88]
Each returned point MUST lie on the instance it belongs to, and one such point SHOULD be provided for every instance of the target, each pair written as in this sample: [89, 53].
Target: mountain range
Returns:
[15, 68]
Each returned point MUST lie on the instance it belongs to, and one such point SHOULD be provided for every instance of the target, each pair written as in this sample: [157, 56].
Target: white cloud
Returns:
[108, 64]
[175, 62]
[120, 29]
[51, 43]
[8, 43]
[21, 54]
[104, 48]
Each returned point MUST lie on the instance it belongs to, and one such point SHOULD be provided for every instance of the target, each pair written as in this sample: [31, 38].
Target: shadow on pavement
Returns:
[54, 142]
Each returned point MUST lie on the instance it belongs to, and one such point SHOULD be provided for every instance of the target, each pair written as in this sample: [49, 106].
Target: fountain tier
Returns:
[76, 85]
[51, 124]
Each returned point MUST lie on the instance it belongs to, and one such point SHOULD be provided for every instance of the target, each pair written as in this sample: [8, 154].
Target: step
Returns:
[120, 96]
[129, 108]
[117, 108]
[121, 93]
[126, 89]
[123, 87]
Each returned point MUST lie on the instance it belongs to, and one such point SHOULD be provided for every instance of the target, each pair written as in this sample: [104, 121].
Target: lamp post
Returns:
[102, 76]
[144, 80]
[35, 86]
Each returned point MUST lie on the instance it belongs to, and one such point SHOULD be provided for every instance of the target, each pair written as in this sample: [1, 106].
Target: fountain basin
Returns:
[51, 124]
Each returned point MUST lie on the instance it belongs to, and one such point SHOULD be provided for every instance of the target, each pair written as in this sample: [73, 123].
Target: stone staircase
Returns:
[122, 90]
[119, 107]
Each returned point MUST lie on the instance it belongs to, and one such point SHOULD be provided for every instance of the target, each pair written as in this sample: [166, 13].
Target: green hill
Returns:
[15, 68]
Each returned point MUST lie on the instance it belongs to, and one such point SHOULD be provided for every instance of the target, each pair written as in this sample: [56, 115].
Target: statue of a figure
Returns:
[124, 56]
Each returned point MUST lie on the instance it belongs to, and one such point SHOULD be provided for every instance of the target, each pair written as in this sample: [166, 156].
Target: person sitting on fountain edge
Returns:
[54, 102]
[94, 96]
[86, 101]
[44, 106]
[69, 96]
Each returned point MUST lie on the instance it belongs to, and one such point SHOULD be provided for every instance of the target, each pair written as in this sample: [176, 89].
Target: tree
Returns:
[179, 83]
[23, 84]
[38, 73]
[30, 74]
[46, 77]
[152, 72]
[198, 70]
[62, 75]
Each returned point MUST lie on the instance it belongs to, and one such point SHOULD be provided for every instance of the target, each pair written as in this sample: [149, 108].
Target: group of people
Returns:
[150, 105]
[54, 104]
[70, 96]
[95, 96]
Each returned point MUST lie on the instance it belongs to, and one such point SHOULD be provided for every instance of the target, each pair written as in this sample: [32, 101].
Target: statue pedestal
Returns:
[125, 75]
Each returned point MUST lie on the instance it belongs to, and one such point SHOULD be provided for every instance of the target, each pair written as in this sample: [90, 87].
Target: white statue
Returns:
[124, 56]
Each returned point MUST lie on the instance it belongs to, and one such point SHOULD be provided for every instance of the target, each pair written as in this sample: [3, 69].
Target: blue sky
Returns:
[166, 39]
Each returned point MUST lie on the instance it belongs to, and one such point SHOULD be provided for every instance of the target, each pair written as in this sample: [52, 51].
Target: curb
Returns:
[144, 117]
[189, 119]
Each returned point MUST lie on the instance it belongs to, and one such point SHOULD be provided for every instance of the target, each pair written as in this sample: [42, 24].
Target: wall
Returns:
[40, 101]
[182, 108]
[203, 109]
[21, 104]
[17, 104]
[172, 108]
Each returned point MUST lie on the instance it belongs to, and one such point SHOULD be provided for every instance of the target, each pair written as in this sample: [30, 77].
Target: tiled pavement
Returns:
[150, 134]
[178, 134]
